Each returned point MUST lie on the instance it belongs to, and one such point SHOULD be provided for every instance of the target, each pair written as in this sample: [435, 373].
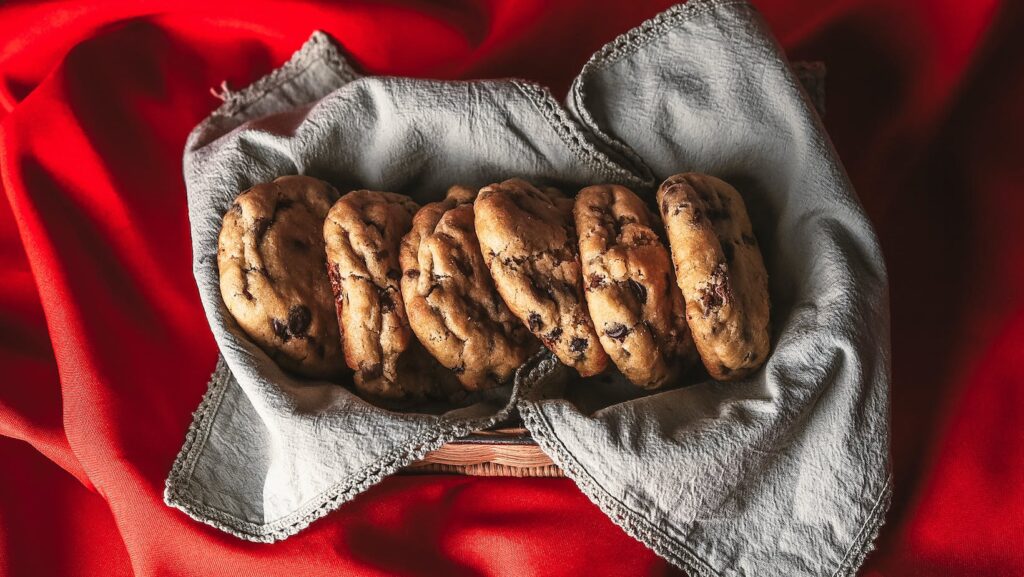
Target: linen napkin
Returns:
[784, 473]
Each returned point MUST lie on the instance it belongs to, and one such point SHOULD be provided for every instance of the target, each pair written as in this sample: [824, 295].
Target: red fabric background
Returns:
[105, 351]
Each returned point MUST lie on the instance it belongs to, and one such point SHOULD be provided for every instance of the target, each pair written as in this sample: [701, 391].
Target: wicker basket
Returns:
[505, 452]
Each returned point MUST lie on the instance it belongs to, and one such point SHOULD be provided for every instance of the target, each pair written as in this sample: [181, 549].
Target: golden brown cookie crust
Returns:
[272, 273]
[362, 232]
[720, 271]
[529, 246]
[452, 304]
[630, 286]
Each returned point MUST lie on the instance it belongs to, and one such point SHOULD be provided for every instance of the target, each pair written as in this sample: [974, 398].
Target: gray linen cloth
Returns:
[786, 473]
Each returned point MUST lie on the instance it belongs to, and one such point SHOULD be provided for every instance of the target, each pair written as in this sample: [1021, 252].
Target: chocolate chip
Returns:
[412, 273]
[245, 285]
[554, 334]
[716, 293]
[334, 275]
[280, 329]
[299, 319]
[626, 219]
[578, 345]
[387, 304]
[393, 274]
[729, 250]
[639, 290]
[595, 281]
[536, 323]
[618, 332]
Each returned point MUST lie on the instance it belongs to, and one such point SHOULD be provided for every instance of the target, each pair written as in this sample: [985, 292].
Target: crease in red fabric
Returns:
[106, 352]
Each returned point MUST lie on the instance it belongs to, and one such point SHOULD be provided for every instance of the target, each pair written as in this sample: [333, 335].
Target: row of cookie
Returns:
[439, 270]
[595, 270]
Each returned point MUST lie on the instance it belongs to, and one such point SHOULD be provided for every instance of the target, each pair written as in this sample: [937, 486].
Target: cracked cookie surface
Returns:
[630, 286]
[529, 246]
[271, 264]
[450, 298]
[362, 232]
[720, 271]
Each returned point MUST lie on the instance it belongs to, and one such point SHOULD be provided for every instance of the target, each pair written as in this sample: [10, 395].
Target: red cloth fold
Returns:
[105, 350]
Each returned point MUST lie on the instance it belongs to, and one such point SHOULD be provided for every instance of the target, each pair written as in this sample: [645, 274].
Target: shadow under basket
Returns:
[500, 452]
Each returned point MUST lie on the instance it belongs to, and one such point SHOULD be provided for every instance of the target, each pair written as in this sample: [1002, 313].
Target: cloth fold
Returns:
[786, 472]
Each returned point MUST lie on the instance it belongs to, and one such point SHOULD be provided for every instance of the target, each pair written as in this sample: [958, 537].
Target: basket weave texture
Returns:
[507, 452]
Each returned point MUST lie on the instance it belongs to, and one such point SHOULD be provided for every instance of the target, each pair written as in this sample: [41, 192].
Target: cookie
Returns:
[450, 298]
[529, 246]
[630, 286]
[272, 273]
[362, 232]
[720, 272]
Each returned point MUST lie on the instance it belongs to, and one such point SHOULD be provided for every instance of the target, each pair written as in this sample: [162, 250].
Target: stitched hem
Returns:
[623, 46]
[572, 135]
[666, 546]
[865, 540]
[632, 523]
[198, 430]
[319, 48]
[176, 487]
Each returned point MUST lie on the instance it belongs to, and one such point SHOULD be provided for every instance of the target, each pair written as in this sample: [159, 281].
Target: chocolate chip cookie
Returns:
[362, 232]
[530, 248]
[450, 298]
[720, 272]
[272, 273]
[630, 286]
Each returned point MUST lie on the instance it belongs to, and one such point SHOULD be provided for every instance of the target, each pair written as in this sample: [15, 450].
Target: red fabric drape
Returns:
[104, 349]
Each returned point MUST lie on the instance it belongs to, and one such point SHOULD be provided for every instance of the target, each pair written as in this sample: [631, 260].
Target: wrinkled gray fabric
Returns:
[783, 474]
